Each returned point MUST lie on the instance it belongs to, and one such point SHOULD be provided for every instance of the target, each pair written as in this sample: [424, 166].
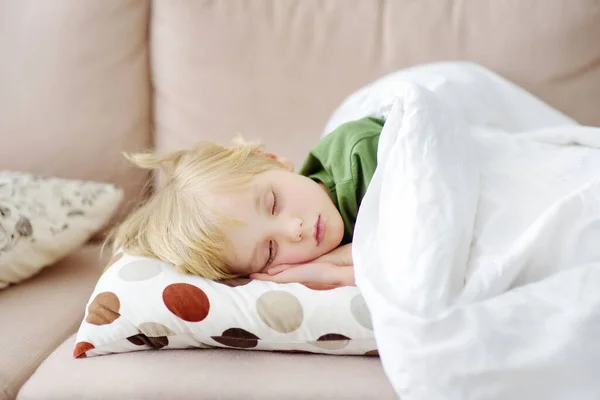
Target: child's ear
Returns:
[287, 164]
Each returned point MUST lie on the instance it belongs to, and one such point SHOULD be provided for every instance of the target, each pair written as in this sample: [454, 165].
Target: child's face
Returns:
[288, 219]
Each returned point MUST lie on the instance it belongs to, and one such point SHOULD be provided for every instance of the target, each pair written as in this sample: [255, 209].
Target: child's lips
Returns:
[319, 230]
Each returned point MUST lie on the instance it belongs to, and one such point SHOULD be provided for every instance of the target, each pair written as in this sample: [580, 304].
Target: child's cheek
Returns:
[296, 256]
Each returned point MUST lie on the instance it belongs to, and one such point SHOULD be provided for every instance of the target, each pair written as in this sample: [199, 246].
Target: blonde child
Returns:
[226, 212]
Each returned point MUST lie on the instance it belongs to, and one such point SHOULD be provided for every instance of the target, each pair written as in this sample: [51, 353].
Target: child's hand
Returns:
[325, 273]
[341, 255]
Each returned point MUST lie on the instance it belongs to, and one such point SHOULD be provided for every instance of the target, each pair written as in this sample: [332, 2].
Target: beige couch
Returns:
[80, 81]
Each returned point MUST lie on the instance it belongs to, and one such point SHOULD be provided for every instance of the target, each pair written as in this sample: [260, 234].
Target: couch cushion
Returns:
[275, 70]
[38, 314]
[206, 374]
[75, 89]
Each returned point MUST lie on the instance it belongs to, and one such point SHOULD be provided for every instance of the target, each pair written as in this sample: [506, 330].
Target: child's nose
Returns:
[295, 229]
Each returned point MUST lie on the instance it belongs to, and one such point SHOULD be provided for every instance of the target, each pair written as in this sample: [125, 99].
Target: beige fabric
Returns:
[207, 374]
[38, 314]
[75, 88]
[274, 70]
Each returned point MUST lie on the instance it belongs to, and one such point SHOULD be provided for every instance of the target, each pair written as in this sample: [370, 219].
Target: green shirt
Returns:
[345, 161]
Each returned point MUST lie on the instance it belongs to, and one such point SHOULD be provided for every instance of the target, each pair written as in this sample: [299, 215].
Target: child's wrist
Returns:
[341, 276]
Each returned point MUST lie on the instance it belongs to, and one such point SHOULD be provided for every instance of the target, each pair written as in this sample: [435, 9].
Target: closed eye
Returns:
[272, 252]
[275, 203]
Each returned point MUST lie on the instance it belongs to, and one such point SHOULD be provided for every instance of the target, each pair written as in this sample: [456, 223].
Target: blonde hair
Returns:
[175, 224]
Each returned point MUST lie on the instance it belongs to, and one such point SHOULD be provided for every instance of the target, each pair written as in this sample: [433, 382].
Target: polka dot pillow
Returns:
[142, 303]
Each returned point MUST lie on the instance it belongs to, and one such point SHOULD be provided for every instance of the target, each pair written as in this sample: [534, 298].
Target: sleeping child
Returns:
[226, 212]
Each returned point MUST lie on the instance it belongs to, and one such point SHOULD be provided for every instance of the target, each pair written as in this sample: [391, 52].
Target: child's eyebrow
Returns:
[257, 202]
[259, 198]
[260, 192]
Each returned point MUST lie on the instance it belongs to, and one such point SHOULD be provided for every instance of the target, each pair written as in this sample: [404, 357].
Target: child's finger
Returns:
[260, 276]
[328, 257]
[269, 278]
[279, 278]
[278, 269]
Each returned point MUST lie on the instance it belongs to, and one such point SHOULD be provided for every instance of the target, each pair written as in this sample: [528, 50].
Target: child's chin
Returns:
[336, 239]
[328, 247]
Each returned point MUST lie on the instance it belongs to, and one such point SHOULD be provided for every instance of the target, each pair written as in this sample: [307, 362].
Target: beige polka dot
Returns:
[140, 270]
[360, 311]
[372, 353]
[104, 309]
[280, 311]
[331, 341]
[154, 329]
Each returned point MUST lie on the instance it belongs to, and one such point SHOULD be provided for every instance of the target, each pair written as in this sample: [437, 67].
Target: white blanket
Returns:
[477, 244]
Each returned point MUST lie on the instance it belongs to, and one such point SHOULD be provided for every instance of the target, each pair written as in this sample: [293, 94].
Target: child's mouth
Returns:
[319, 231]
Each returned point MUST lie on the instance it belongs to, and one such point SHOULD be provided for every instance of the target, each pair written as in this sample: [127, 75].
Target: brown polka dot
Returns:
[320, 286]
[280, 311]
[372, 353]
[155, 342]
[137, 340]
[154, 329]
[235, 282]
[81, 348]
[140, 270]
[114, 259]
[188, 302]
[331, 341]
[360, 312]
[237, 337]
[332, 336]
[295, 351]
[104, 309]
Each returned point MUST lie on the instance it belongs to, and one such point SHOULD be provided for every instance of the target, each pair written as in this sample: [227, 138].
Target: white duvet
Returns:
[477, 244]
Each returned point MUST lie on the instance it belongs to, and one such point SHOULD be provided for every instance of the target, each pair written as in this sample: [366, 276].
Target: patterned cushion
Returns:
[44, 219]
[142, 303]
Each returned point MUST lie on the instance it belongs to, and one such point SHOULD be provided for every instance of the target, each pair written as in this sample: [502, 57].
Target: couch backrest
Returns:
[275, 69]
[75, 88]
